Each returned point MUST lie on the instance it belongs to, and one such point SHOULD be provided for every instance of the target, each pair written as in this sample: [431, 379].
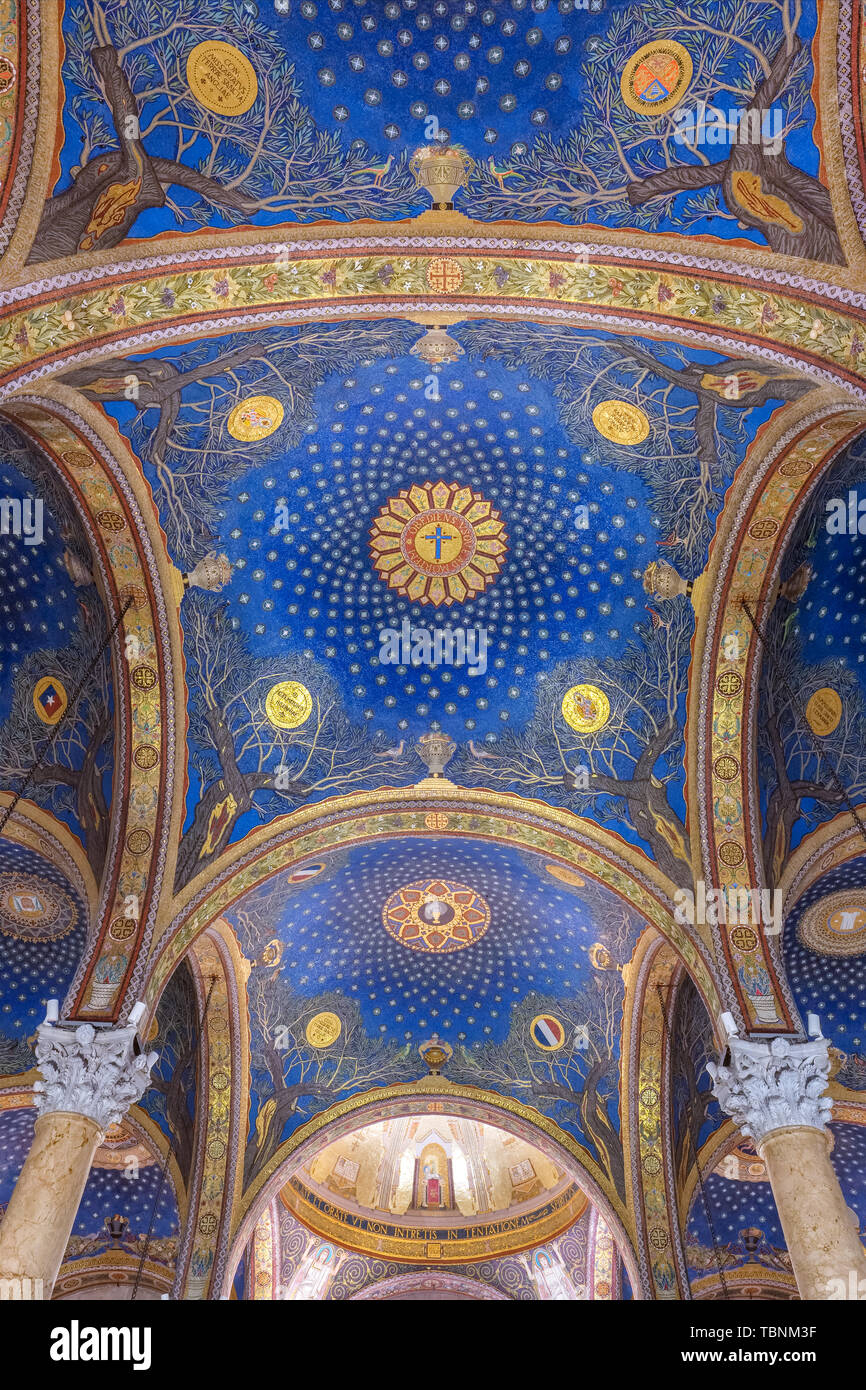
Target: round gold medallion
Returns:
[49, 699]
[656, 77]
[836, 924]
[323, 1029]
[288, 705]
[585, 708]
[221, 78]
[621, 422]
[824, 711]
[565, 875]
[255, 418]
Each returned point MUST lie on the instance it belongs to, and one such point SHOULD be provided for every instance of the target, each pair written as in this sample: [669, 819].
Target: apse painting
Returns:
[311, 1269]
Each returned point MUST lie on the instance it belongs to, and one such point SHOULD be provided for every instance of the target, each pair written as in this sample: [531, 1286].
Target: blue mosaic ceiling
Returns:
[532, 1006]
[724, 1209]
[51, 636]
[333, 938]
[811, 764]
[136, 1191]
[43, 924]
[346, 91]
[363, 423]
[832, 986]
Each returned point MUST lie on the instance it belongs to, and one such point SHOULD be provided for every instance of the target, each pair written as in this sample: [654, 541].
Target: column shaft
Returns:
[42, 1209]
[821, 1232]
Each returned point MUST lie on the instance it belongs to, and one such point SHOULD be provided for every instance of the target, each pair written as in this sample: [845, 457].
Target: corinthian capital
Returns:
[774, 1085]
[90, 1071]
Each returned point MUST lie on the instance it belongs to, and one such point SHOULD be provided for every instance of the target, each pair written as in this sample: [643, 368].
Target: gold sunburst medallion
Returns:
[439, 543]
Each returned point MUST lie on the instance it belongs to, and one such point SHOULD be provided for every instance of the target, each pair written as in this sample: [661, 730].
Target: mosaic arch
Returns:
[567, 280]
[789, 461]
[425, 1098]
[365, 817]
[109, 500]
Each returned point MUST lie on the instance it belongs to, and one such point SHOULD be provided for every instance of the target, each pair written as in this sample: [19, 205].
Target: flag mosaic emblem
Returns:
[547, 1032]
[49, 699]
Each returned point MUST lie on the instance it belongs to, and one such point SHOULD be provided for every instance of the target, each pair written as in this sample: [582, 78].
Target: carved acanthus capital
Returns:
[774, 1085]
[90, 1071]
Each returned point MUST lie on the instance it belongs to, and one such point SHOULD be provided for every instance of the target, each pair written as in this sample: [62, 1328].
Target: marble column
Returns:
[774, 1091]
[90, 1077]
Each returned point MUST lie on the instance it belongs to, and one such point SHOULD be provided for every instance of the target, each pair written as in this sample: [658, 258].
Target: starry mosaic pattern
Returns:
[297, 533]
[492, 75]
[38, 607]
[849, 1161]
[726, 1207]
[834, 987]
[537, 941]
[831, 618]
[312, 585]
[31, 973]
[136, 1196]
[16, 1136]
[139, 1197]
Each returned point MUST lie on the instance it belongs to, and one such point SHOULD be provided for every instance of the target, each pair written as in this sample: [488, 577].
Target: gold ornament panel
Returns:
[436, 915]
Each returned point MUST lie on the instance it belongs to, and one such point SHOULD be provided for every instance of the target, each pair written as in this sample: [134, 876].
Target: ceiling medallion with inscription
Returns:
[436, 915]
[288, 705]
[323, 1029]
[621, 422]
[836, 924]
[221, 78]
[439, 543]
[824, 711]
